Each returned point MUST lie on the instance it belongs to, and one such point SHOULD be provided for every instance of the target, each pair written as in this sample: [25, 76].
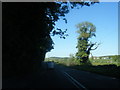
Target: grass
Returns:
[107, 70]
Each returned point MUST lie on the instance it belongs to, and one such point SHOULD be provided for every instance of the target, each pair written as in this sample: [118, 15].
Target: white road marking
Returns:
[75, 82]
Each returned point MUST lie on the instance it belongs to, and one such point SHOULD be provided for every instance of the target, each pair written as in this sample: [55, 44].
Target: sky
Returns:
[104, 16]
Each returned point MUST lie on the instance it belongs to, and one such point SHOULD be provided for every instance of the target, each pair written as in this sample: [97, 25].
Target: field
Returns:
[108, 67]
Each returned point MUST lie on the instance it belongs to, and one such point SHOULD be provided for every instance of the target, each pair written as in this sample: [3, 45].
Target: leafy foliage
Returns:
[26, 32]
[86, 31]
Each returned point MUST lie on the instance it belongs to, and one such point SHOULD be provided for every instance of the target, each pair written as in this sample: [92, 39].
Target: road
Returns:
[62, 77]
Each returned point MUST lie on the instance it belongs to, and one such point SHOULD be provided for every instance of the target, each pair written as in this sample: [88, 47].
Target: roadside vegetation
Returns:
[107, 67]
[28, 28]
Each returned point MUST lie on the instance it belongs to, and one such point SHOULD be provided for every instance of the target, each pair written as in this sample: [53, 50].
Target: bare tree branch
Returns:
[96, 47]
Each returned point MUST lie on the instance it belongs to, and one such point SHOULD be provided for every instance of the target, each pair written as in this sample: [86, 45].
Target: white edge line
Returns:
[72, 82]
[80, 85]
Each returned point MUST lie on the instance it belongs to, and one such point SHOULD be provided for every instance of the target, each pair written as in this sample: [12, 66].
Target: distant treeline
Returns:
[102, 60]
[115, 57]
[107, 57]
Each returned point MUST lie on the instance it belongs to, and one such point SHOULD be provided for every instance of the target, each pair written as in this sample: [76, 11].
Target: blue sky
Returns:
[104, 16]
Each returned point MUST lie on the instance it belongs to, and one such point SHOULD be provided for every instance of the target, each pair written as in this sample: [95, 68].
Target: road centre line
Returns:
[75, 82]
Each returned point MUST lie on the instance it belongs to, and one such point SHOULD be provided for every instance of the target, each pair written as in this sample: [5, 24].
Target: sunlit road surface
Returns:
[62, 77]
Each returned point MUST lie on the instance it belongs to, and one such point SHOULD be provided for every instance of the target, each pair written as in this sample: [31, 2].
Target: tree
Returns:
[26, 32]
[86, 30]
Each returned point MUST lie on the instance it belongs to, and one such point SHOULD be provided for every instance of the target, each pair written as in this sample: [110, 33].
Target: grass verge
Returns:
[106, 70]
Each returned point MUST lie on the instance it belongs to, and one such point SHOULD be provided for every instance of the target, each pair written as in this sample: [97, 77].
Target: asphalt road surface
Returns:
[62, 77]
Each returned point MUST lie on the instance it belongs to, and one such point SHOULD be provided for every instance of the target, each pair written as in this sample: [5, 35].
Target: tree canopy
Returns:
[26, 32]
[86, 31]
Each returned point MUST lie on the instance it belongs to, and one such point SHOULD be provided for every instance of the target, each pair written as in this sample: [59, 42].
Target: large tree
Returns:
[86, 31]
[26, 32]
